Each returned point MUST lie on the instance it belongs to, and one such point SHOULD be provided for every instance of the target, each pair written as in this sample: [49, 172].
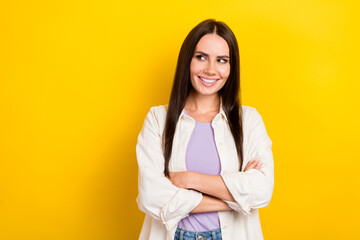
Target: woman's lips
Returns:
[208, 82]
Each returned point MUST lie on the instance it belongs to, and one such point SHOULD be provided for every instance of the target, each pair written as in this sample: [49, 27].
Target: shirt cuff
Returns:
[239, 187]
[179, 207]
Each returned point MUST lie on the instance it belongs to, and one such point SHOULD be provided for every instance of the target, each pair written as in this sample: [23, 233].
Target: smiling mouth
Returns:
[208, 80]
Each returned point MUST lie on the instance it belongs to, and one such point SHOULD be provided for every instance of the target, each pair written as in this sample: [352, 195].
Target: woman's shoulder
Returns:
[248, 111]
[246, 108]
[159, 111]
[157, 116]
[250, 114]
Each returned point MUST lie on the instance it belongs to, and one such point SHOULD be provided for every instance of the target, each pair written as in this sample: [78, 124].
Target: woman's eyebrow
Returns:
[205, 54]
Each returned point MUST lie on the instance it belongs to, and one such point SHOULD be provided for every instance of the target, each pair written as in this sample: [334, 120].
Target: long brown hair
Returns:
[229, 93]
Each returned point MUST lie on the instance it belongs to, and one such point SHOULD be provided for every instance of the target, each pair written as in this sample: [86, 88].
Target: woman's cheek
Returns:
[224, 71]
[196, 65]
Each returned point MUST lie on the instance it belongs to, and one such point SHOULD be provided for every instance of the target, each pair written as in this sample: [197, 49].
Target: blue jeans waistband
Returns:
[182, 234]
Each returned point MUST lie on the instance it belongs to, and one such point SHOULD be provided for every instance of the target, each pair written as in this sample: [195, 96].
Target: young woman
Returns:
[205, 161]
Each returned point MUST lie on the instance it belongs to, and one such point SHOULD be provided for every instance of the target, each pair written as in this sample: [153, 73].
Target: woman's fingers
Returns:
[259, 165]
[249, 165]
[254, 164]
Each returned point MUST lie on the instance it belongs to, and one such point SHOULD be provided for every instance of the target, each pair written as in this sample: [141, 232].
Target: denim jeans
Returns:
[182, 234]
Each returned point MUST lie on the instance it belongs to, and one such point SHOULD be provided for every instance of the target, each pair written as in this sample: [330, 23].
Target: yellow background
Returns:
[78, 77]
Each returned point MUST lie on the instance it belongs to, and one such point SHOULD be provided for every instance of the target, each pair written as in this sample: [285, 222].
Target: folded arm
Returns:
[212, 185]
[211, 204]
[157, 196]
[253, 188]
[242, 191]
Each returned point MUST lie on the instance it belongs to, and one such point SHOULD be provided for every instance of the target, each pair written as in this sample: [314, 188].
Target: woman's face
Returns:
[210, 66]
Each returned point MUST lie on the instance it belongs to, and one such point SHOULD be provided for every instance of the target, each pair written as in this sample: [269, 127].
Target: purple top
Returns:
[202, 156]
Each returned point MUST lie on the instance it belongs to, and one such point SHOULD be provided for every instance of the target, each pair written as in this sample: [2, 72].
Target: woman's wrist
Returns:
[211, 204]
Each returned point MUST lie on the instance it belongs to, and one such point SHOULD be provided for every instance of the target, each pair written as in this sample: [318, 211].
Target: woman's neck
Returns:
[202, 103]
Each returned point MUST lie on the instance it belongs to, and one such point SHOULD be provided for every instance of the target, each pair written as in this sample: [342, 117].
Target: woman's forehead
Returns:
[212, 44]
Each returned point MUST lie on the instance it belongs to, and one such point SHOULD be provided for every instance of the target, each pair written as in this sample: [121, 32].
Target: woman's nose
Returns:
[210, 68]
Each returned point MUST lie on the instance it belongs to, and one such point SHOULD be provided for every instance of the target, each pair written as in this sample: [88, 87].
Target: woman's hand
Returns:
[253, 164]
[181, 179]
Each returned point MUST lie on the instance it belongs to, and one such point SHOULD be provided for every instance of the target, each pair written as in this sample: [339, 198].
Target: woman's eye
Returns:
[222, 60]
[200, 57]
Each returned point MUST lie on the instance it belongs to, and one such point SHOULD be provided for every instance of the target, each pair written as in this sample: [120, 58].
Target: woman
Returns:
[205, 161]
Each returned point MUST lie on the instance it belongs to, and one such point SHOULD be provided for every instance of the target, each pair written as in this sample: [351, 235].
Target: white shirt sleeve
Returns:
[253, 188]
[157, 196]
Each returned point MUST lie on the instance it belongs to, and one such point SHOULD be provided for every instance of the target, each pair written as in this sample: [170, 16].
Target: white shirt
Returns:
[165, 204]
